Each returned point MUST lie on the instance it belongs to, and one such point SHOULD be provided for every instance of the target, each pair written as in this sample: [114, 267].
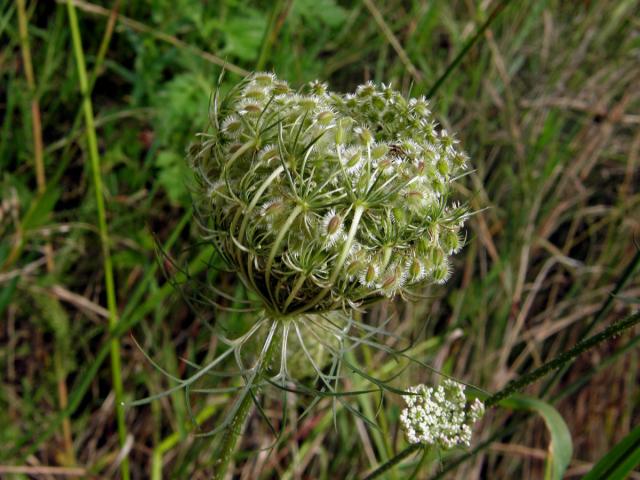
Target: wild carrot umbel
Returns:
[322, 203]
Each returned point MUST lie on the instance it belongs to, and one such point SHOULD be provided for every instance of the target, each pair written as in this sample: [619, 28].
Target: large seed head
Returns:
[355, 186]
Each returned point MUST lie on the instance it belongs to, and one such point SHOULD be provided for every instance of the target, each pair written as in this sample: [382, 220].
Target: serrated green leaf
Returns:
[561, 445]
[321, 11]
[244, 34]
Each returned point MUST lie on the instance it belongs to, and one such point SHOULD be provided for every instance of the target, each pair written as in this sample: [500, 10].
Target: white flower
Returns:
[440, 416]
[352, 159]
[332, 228]
[232, 126]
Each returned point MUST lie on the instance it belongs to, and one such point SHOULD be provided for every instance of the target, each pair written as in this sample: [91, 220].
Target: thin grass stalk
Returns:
[393, 40]
[271, 34]
[467, 46]
[94, 157]
[421, 463]
[97, 68]
[516, 385]
[36, 129]
[126, 323]
[36, 124]
[392, 462]
[173, 439]
[513, 426]
[563, 359]
[159, 35]
[41, 180]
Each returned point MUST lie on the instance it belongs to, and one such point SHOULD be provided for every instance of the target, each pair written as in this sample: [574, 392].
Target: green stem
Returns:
[627, 275]
[94, 157]
[421, 463]
[562, 359]
[173, 439]
[392, 462]
[270, 35]
[452, 66]
[294, 291]
[254, 201]
[275, 248]
[236, 427]
[517, 385]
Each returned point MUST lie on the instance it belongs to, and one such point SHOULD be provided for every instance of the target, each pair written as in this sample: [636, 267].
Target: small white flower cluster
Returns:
[440, 416]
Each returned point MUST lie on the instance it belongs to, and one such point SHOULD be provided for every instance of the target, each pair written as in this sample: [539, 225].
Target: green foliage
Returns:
[560, 446]
[243, 33]
[180, 109]
[319, 13]
[546, 103]
[620, 461]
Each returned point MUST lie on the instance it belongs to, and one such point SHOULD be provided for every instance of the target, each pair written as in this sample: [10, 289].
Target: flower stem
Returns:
[562, 359]
[230, 438]
[421, 463]
[337, 269]
[236, 427]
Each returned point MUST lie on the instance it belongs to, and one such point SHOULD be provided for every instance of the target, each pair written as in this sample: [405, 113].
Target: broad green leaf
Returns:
[620, 460]
[561, 445]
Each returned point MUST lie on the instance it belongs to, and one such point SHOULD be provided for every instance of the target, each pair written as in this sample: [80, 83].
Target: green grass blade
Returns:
[561, 446]
[620, 460]
[456, 61]
[6, 293]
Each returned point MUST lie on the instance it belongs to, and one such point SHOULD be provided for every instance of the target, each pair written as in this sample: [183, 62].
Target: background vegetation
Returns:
[547, 104]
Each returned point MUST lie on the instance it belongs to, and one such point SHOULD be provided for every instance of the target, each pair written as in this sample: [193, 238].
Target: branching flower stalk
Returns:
[515, 386]
[321, 203]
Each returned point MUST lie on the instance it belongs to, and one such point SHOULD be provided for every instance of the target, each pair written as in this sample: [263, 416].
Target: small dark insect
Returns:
[397, 150]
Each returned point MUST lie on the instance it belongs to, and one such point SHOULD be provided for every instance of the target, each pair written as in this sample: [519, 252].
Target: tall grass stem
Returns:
[94, 158]
[467, 46]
